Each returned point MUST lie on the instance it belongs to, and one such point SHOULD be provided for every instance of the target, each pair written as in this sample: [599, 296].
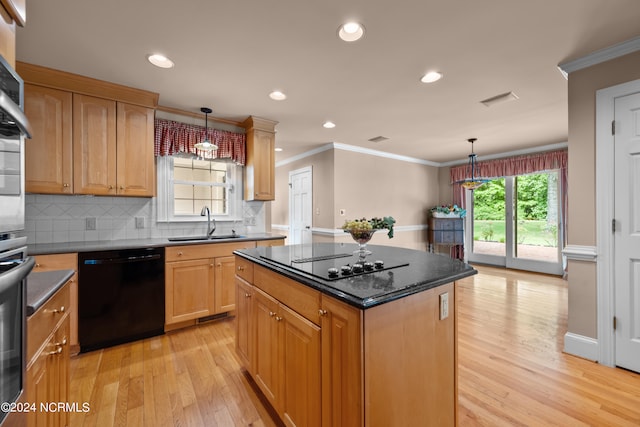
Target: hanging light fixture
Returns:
[206, 145]
[472, 182]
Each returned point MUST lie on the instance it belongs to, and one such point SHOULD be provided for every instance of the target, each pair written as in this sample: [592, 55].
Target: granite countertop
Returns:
[101, 245]
[406, 271]
[42, 285]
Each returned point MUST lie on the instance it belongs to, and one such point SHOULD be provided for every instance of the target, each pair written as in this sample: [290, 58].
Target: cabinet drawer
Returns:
[56, 262]
[244, 269]
[447, 224]
[208, 250]
[448, 237]
[299, 298]
[45, 320]
[270, 243]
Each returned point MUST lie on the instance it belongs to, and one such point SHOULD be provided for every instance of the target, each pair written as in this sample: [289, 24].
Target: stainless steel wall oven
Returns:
[15, 265]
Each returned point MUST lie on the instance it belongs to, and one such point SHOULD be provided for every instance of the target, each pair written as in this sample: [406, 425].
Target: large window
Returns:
[186, 185]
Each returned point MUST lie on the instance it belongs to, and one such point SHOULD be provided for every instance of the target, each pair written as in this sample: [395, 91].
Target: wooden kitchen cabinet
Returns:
[49, 164]
[244, 304]
[200, 280]
[90, 136]
[341, 364]
[68, 261]
[259, 178]
[287, 360]
[47, 377]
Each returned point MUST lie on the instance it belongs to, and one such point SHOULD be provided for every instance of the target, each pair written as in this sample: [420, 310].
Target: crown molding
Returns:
[600, 56]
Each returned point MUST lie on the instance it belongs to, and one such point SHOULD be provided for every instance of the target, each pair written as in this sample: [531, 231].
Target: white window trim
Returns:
[164, 174]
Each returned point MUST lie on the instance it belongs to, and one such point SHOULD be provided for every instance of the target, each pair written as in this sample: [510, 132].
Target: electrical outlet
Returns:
[343, 212]
[90, 223]
[444, 305]
[139, 222]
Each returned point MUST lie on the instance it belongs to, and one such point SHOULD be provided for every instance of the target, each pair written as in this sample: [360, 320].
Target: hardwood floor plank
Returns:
[512, 371]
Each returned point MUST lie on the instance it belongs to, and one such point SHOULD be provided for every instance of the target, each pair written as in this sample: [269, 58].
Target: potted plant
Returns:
[448, 211]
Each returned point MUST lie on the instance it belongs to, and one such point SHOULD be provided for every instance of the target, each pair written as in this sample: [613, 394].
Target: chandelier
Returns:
[472, 182]
[206, 145]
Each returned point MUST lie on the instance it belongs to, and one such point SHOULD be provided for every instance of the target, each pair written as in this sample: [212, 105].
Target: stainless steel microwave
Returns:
[14, 127]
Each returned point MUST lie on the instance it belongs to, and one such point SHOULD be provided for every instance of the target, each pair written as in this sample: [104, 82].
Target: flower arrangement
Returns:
[448, 211]
[365, 226]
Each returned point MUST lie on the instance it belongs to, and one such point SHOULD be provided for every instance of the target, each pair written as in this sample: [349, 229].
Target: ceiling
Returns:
[230, 55]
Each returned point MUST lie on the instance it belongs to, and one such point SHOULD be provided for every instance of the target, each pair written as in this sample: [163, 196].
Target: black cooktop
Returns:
[331, 262]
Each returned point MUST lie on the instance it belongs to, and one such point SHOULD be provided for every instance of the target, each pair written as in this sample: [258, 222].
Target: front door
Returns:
[627, 231]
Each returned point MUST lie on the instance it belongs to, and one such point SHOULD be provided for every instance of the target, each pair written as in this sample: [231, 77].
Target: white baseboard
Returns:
[581, 346]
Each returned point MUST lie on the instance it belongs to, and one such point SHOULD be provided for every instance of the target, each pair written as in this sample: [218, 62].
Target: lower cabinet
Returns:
[199, 280]
[47, 378]
[310, 370]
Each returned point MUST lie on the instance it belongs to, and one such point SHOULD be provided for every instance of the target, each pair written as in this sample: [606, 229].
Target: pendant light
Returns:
[472, 182]
[206, 145]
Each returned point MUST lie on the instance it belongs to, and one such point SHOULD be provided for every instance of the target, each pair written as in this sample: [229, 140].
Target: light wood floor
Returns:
[512, 371]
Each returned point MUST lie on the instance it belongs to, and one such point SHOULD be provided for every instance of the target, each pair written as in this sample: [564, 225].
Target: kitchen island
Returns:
[373, 345]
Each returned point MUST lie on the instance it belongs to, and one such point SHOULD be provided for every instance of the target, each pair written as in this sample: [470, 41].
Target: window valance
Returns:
[172, 137]
[512, 166]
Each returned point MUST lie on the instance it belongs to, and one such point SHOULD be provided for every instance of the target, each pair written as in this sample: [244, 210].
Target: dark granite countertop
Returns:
[101, 245]
[406, 272]
[42, 285]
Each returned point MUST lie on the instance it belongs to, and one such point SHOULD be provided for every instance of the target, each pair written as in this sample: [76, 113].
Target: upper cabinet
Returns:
[259, 179]
[90, 137]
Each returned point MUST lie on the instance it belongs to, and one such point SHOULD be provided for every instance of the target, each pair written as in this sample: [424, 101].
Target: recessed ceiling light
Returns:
[431, 76]
[329, 125]
[276, 95]
[278, 149]
[351, 31]
[160, 61]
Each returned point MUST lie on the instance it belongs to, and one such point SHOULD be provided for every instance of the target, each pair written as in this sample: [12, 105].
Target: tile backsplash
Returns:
[56, 219]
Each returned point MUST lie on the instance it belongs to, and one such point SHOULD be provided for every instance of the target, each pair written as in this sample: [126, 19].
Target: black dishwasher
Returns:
[120, 296]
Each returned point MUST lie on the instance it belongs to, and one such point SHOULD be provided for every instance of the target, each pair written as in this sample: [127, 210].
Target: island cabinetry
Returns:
[67, 261]
[259, 178]
[90, 136]
[287, 361]
[244, 334]
[47, 377]
[199, 280]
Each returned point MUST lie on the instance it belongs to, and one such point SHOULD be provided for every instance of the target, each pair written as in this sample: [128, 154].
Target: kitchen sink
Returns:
[201, 238]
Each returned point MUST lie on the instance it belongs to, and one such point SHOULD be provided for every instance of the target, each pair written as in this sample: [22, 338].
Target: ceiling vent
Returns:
[498, 99]
[378, 139]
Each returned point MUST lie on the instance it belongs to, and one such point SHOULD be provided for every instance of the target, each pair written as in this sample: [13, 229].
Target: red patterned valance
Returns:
[176, 137]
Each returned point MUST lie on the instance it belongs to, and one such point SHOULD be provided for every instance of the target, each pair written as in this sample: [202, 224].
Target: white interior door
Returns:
[300, 205]
[627, 231]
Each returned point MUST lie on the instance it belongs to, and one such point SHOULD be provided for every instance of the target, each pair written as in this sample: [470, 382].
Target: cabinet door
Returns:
[136, 174]
[38, 378]
[59, 370]
[244, 336]
[341, 364]
[267, 374]
[189, 290]
[94, 145]
[225, 294]
[264, 165]
[49, 156]
[301, 368]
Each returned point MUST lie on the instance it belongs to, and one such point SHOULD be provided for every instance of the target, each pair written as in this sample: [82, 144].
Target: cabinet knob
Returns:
[179, 253]
[59, 310]
[271, 313]
[211, 265]
[278, 318]
[122, 187]
[322, 312]
[247, 295]
[38, 265]
[62, 343]
[111, 187]
[65, 185]
[219, 264]
[240, 268]
[56, 351]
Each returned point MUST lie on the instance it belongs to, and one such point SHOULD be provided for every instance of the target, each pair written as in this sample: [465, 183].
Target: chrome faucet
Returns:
[205, 211]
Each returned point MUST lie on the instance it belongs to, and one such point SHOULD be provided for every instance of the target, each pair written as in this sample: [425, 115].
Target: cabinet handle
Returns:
[211, 265]
[322, 312]
[179, 253]
[240, 268]
[271, 313]
[56, 351]
[278, 318]
[65, 185]
[60, 310]
[247, 295]
[122, 187]
[111, 187]
[219, 264]
[38, 265]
